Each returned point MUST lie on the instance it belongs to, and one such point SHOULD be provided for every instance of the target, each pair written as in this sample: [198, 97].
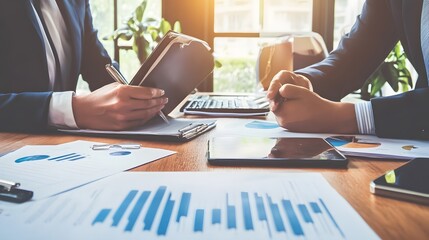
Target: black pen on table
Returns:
[117, 76]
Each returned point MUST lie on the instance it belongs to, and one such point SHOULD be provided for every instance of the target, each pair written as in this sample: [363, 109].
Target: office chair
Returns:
[289, 52]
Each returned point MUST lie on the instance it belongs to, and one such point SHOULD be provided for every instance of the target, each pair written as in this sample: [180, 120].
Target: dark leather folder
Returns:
[177, 65]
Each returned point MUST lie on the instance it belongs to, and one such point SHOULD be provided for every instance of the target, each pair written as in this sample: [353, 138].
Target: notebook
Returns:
[227, 105]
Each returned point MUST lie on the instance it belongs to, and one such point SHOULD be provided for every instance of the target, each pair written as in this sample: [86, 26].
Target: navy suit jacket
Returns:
[376, 31]
[24, 79]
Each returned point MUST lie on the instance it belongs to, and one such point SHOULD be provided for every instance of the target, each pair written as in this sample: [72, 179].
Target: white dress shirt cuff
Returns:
[61, 110]
[365, 118]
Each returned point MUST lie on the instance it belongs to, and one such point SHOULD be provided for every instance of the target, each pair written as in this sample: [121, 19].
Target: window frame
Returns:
[197, 19]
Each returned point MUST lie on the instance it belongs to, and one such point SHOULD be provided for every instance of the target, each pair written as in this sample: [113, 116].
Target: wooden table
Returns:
[390, 219]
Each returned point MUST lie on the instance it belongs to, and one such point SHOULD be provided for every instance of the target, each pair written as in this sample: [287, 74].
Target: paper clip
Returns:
[9, 192]
[109, 146]
[193, 130]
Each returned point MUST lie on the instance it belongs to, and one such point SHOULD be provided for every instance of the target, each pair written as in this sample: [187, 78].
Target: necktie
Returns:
[56, 31]
[425, 35]
[51, 57]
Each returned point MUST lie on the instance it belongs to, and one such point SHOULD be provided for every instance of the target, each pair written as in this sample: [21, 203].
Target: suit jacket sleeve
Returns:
[24, 112]
[359, 53]
[25, 107]
[404, 115]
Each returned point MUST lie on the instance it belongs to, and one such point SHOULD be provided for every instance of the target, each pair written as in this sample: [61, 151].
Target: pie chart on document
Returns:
[350, 142]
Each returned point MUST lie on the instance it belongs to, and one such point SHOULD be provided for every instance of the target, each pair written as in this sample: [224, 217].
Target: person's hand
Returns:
[281, 78]
[302, 110]
[117, 107]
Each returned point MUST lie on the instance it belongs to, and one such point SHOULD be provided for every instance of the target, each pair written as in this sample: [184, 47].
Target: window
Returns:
[107, 16]
[234, 28]
[102, 13]
[346, 12]
[127, 57]
[239, 30]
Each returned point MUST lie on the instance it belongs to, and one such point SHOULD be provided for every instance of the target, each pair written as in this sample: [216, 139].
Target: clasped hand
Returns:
[117, 107]
[298, 108]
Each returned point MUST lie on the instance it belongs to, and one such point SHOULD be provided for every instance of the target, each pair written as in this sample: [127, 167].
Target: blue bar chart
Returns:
[249, 210]
[200, 205]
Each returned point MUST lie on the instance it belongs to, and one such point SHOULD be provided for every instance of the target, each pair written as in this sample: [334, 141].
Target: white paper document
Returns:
[350, 145]
[181, 129]
[191, 205]
[375, 147]
[224, 114]
[51, 169]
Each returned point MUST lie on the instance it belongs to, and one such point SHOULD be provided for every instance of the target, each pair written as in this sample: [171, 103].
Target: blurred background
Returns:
[235, 29]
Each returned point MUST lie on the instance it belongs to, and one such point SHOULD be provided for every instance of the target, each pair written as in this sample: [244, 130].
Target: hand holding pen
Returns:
[118, 77]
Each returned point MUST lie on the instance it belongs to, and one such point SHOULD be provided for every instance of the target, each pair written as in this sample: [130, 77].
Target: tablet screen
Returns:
[260, 148]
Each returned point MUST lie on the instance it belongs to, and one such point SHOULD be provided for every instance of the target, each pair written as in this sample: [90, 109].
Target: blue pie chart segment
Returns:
[337, 142]
[120, 153]
[31, 158]
[262, 125]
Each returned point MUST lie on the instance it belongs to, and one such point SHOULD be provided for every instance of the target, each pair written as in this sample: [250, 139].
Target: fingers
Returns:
[126, 114]
[275, 95]
[289, 91]
[137, 104]
[138, 92]
[126, 120]
[287, 77]
[279, 79]
[139, 115]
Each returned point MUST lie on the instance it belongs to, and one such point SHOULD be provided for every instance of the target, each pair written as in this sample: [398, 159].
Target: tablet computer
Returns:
[409, 182]
[265, 151]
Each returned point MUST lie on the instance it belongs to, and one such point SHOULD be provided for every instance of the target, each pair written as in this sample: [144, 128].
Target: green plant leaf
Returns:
[377, 84]
[403, 82]
[126, 36]
[177, 27]
[145, 32]
[151, 34]
[139, 47]
[218, 64]
[130, 22]
[151, 22]
[408, 75]
[398, 49]
[164, 27]
[391, 75]
[139, 12]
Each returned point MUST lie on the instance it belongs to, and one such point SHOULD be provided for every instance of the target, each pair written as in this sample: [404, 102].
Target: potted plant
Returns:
[393, 71]
[145, 33]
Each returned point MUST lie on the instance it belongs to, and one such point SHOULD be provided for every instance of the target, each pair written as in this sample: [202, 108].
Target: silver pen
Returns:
[8, 185]
[117, 76]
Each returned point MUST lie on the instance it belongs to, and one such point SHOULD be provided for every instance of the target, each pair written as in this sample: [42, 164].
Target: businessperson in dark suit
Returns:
[45, 45]
[309, 97]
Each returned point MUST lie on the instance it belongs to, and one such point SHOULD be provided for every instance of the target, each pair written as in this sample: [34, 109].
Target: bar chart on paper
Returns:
[292, 207]
[266, 210]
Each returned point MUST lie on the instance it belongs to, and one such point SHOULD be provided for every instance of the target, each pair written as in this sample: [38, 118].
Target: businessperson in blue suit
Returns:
[307, 100]
[45, 45]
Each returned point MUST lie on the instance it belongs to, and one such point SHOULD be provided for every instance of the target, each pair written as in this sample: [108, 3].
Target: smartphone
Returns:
[409, 182]
[265, 151]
